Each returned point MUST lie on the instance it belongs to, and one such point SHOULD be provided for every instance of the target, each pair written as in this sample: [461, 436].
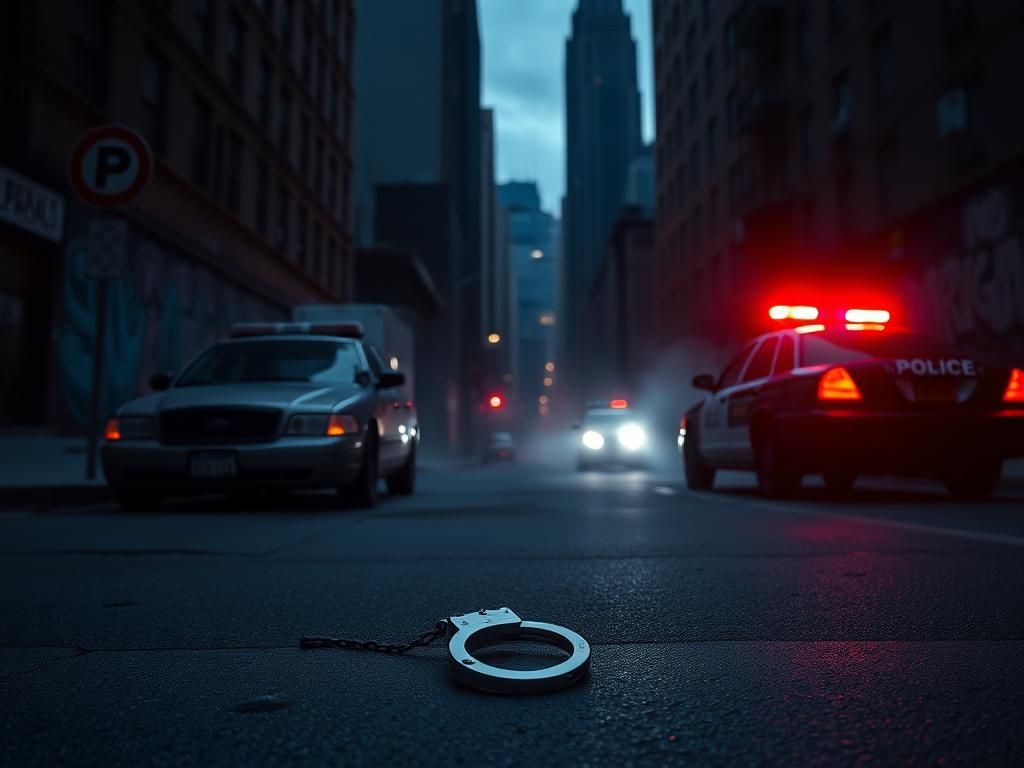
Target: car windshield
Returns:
[822, 349]
[607, 419]
[327, 362]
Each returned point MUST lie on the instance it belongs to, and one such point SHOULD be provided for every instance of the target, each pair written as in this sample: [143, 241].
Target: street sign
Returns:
[106, 257]
[110, 166]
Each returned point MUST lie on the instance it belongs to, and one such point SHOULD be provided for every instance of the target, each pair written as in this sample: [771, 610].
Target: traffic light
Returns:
[496, 401]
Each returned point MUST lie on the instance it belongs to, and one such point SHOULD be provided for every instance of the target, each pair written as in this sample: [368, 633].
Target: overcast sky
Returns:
[523, 80]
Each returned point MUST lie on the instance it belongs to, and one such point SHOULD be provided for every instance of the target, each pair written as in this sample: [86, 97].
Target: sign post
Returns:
[110, 166]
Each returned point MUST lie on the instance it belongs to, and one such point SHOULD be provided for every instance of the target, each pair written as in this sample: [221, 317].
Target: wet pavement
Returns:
[726, 630]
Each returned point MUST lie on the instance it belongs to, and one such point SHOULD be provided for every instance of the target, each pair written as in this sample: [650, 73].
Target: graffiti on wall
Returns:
[974, 294]
[163, 313]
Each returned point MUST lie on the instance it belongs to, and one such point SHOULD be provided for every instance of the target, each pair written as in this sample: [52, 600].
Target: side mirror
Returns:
[390, 380]
[704, 381]
[363, 378]
[160, 382]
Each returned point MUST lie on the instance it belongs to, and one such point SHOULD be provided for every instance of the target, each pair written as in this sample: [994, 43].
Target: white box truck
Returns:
[382, 327]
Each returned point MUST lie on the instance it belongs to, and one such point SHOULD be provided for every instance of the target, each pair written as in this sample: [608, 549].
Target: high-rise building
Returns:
[533, 246]
[246, 108]
[495, 274]
[418, 133]
[602, 138]
[841, 141]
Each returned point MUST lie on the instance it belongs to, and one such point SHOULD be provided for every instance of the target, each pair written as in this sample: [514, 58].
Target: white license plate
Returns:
[212, 465]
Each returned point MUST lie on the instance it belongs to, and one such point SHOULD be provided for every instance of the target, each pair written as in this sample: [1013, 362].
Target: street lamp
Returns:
[494, 338]
[549, 367]
[536, 253]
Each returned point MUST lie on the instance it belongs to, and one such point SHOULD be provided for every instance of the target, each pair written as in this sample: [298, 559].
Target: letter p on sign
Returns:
[110, 166]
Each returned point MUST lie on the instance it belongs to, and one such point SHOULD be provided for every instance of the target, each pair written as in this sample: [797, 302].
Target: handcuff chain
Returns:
[440, 630]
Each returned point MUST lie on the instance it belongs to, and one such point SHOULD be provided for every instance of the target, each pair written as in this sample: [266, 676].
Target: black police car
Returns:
[854, 399]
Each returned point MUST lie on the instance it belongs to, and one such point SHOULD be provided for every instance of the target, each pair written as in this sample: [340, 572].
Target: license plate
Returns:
[212, 465]
[935, 392]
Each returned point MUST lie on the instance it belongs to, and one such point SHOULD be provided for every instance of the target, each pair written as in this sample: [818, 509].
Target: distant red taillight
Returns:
[619, 404]
[836, 384]
[1015, 387]
[112, 431]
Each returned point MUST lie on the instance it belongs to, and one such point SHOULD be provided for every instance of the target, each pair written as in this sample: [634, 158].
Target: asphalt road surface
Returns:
[726, 630]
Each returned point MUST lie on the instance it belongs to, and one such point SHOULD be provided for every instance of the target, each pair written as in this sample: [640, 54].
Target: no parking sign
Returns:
[110, 166]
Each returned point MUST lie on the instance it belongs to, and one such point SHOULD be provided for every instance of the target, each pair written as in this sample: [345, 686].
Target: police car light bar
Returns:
[876, 316]
[799, 312]
[352, 330]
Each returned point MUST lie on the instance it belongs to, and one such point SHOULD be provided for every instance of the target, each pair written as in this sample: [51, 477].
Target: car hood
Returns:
[285, 395]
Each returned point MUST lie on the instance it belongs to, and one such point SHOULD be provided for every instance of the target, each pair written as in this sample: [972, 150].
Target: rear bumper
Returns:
[894, 443]
[314, 462]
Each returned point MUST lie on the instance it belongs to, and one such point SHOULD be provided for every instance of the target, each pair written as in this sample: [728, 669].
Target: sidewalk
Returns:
[44, 470]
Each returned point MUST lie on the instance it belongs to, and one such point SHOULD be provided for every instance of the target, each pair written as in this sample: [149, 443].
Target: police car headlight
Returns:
[593, 440]
[129, 428]
[632, 437]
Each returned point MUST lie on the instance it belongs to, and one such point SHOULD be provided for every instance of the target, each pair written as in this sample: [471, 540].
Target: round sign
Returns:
[110, 166]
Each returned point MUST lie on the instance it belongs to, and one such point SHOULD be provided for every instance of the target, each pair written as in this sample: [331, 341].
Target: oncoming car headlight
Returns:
[322, 424]
[593, 440]
[632, 437]
[129, 428]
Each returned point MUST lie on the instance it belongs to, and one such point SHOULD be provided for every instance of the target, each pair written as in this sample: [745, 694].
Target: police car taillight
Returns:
[619, 404]
[112, 431]
[836, 384]
[1015, 387]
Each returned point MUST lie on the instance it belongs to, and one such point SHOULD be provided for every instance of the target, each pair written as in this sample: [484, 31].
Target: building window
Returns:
[263, 91]
[318, 169]
[806, 129]
[709, 75]
[332, 265]
[300, 238]
[89, 50]
[333, 25]
[218, 162]
[283, 218]
[691, 45]
[284, 123]
[318, 236]
[307, 53]
[262, 194]
[205, 26]
[202, 142]
[732, 111]
[234, 172]
[803, 50]
[287, 23]
[332, 185]
[692, 102]
[841, 103]
[304, 139]
[729, 43]
[694, 164]
[154, 101]
[321, 81]
[882, 64]
[236, 52]
[707, 11]
[332, 109]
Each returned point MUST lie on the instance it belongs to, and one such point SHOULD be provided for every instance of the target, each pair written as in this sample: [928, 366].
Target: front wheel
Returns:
[973, 481]
[699, 476]
[363, 490]
[403, 482]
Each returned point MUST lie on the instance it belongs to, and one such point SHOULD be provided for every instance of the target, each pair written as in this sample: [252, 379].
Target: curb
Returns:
[42, 497]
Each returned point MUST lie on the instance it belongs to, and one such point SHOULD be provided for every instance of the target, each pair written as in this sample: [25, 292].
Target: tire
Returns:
[839, 482]
[137, 501]
[775, 478]
[363, 490]
[699, 475]
[973, 481]
[403, 482]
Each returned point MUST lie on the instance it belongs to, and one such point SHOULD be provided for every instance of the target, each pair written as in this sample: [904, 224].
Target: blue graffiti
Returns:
[75, 340]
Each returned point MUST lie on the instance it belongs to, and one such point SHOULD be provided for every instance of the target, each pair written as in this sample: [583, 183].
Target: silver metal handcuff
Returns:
[488, 627]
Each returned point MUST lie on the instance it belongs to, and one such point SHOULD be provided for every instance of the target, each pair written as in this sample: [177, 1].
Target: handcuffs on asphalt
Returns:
[488, 627]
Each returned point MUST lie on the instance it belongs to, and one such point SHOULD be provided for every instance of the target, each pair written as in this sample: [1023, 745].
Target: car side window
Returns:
[785, 360]
[731, 374]
[761, 363]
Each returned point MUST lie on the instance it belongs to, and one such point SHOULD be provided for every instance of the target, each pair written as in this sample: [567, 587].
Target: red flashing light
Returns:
[837, 384]
[496, 401]
[817, 328]
[878, 316]
[865, 327]
[799, 312]
[618, 404]
[1015, 387]
[112, 431]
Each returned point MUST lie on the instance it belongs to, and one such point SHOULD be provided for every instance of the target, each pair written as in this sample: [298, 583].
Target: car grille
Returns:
[219, 426]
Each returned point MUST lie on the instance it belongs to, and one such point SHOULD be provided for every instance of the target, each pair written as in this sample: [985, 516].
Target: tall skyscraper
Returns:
[602, 138]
